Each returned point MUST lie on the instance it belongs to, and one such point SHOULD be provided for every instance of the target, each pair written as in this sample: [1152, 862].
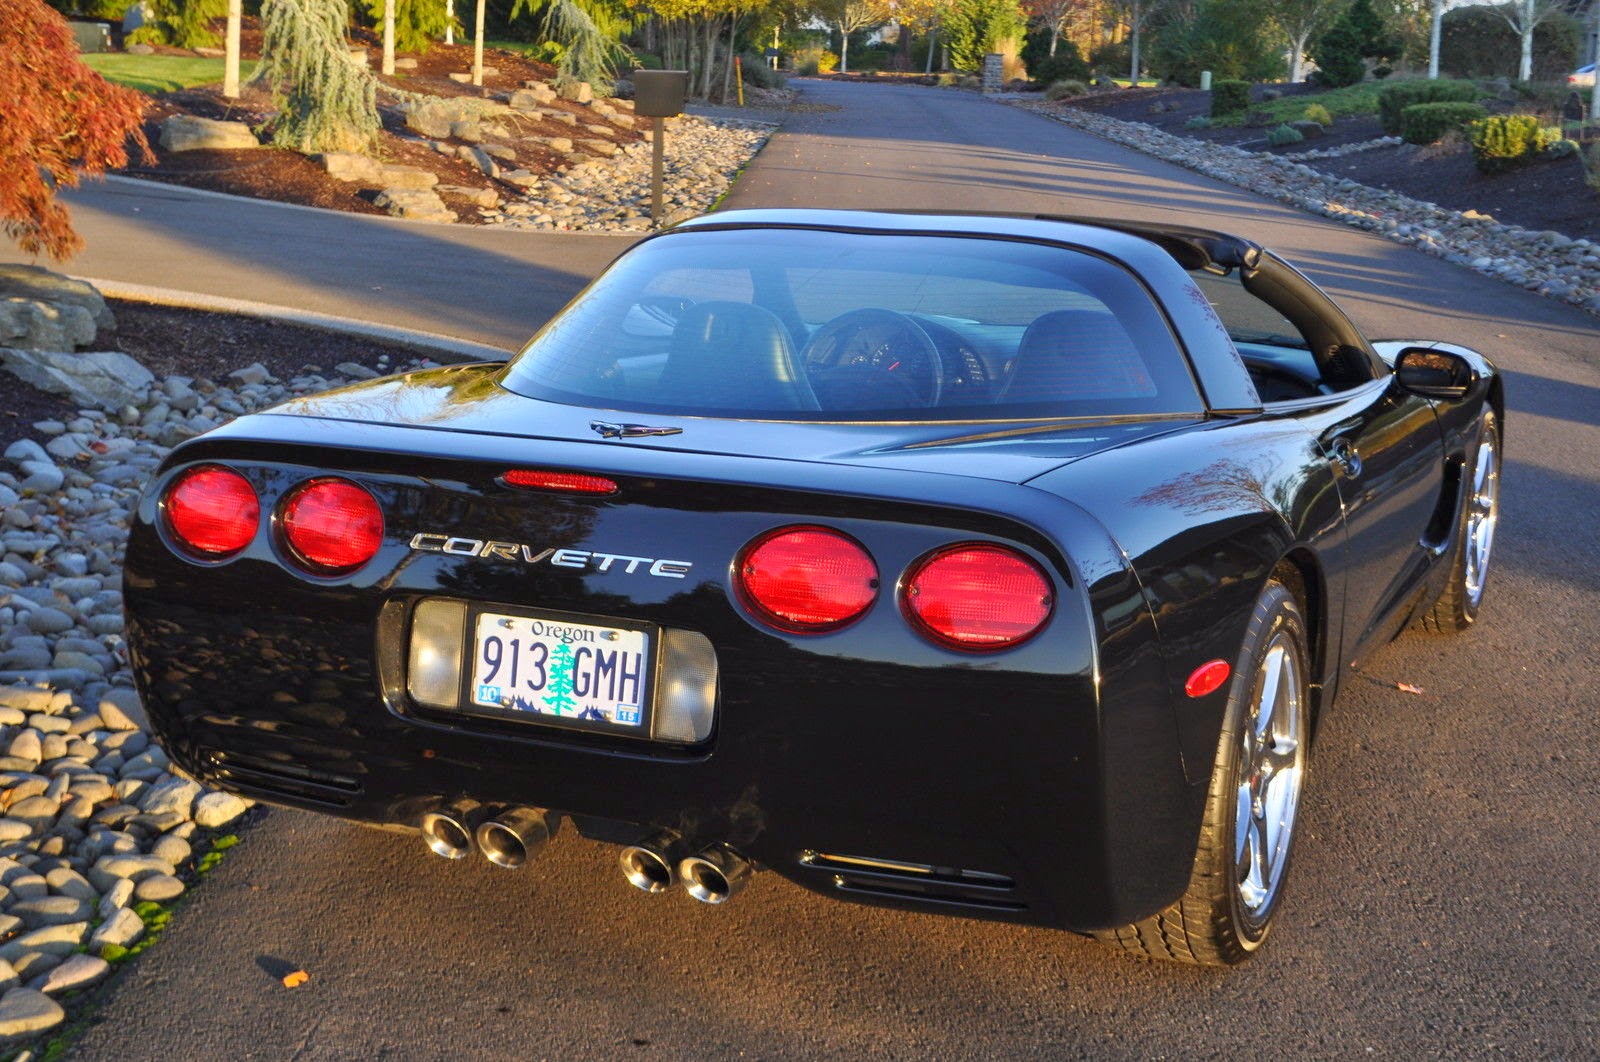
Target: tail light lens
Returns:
[977, 597]
[807, 579]
[212, 511]
[566, 482]
[331, 525]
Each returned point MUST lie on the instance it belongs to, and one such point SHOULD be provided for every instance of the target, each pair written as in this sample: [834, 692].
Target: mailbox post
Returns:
[658, 94]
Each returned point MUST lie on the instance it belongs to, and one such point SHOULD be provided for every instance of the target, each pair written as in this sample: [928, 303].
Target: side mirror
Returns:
[1435, 373]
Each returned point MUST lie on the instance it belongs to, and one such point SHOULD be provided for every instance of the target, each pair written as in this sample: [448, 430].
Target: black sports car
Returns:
[992, 565]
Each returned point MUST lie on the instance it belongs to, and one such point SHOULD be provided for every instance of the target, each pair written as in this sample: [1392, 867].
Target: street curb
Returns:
[458, 350]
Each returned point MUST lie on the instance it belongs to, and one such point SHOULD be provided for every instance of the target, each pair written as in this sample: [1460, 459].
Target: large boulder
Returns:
[33, 324]
[35, 282]
[105, 379]
[430, 120]
[185, 132]
[417, 204]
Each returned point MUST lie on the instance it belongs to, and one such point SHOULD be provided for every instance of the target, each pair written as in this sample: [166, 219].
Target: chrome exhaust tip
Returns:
[715, 875]
[448, 831]
[651, 865]
[511, 838]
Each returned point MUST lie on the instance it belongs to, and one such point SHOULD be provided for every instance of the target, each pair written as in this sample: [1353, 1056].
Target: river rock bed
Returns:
[97, 833]
[701, 158]
[1548, 262]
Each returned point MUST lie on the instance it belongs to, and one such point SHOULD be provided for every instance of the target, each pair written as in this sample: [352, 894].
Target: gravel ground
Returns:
[98, 838]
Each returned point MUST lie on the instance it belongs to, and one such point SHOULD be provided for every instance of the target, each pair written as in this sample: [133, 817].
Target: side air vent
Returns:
[917, 882]
[284, 780]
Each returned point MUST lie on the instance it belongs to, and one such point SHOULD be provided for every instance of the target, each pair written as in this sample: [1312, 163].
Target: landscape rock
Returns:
[576, 91]
[186, 132]
[121, 709]
[77, 971]
[412, 178]
[33, 324]
[25, 1011]
[418, 204]
[40, 284]
[158, 888]
[121, 928]
[351, 166]
[431, 122]
[486, 198]
[218, 809]
[105, 379]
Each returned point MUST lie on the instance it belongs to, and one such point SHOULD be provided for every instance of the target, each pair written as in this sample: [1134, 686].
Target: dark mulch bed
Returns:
[172, 341]
[291, 178]
[1545, 195]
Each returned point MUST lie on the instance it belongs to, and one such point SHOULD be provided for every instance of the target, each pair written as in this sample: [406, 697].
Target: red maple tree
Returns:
[58, 121]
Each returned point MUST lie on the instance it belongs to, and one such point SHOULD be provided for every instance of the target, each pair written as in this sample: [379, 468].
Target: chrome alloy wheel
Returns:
[1483, 513]
[1272, 762]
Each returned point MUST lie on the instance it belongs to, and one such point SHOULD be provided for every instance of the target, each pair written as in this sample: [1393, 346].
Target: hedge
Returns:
[1229, 97]
[1394, 99]
[1424, 123]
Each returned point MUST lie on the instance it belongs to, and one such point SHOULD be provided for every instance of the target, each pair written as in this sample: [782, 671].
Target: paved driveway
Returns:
[1444, 901]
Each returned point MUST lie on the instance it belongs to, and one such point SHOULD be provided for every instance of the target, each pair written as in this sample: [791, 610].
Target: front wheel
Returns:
[1457, 607]
[1247, 837]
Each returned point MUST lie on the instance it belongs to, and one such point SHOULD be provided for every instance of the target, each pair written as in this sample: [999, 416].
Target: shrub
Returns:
[1316, 112]
[1284, 135]
[1591, 165]
[1046, 69]
[1199, 121]
[1503, 142]
[1358, 35]
[1227, 37]
[814, 61]
[1060, 90]
[1562, 148]
[1424, 123]
[948, 80]
[1229, 97]
[646, 61]
[757, 72]
[1474, 41]
[1394, 99]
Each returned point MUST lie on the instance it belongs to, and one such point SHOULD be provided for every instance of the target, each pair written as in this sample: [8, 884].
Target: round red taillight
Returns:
[807, 579]
[212, 511]
[332, 525]
[977, 597]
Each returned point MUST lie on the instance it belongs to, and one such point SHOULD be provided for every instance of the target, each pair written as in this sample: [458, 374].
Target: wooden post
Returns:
[656, 165]
[738, 78]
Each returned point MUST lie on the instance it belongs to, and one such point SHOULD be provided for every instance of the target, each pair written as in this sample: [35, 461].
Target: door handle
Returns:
[1344, 458]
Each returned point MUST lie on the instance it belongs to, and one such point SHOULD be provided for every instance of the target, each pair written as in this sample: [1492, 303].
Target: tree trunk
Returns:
[477, 47]
[1055, 35]
[388, 37]
[449, 21]
[844, 49]
[1297, 56]
[709, 59]
[933, 42]
[727, 68]
[1133, 43]
[1525, 68]
[1433, 39]
[230, 62]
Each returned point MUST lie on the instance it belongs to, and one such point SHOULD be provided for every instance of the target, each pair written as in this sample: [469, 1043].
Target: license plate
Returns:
[553, 670]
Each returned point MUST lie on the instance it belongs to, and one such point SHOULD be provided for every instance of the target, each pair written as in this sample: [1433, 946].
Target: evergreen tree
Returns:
[326, 102]
[559, 690]
[417, 23]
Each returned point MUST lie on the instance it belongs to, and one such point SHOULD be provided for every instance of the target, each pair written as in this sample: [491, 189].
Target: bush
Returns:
[416, 23]
[813, 61]
[1316, 112]
[1112, 58]
[646, 61]
[1227, 37]
[1474, 41]
[1284, 135]
[1503, 142]
[1425, 123]
[1591, 166]
[757, 72]
[1065, 65]
[1061, 90]
[1394, 99]
[1199, 121]
[1360, 34]
[1229, 97]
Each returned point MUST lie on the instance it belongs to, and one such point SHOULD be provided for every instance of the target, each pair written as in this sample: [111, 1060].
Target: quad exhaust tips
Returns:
[715, 875]
[448, 831]
[652, 864]
[511, 838]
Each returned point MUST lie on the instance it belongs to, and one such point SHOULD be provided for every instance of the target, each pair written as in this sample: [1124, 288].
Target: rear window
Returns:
[812, 325]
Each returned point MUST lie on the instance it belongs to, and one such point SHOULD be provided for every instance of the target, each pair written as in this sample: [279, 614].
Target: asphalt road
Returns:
[1444, 901]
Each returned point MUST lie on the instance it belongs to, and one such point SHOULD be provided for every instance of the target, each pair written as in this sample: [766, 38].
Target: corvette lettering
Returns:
[580, 559]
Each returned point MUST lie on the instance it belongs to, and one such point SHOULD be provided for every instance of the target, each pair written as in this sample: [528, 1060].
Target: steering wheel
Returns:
[883, 341]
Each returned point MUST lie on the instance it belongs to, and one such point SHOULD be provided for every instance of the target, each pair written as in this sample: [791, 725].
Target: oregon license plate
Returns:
[556, 670]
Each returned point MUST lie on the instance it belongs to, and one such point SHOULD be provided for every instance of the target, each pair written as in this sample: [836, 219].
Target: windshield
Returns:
[813, 325]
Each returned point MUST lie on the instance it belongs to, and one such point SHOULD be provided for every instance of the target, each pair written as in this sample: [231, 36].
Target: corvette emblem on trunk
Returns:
[588, 560]
[607, 430]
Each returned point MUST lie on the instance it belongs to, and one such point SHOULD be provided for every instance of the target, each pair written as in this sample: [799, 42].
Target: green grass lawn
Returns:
[158, 73]
[1341, 103]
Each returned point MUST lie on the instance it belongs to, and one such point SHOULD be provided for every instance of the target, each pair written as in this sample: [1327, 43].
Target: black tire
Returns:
[1462, 596]
[1212, 925]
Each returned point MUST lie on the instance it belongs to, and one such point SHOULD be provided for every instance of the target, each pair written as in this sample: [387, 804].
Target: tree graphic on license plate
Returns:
[558, 691]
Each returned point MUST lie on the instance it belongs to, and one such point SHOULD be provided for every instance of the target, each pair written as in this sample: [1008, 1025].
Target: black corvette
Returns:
[996, 566]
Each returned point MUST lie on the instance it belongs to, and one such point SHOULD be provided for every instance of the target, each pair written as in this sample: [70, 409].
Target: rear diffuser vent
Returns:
[917, 882]
[286, 780]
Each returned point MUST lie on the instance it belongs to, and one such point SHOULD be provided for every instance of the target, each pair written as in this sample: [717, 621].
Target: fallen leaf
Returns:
[1406, 687]
[296, 979]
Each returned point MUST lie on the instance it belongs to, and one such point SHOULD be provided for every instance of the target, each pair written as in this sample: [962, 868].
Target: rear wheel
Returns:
[1246, 839]
[1457, 607]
